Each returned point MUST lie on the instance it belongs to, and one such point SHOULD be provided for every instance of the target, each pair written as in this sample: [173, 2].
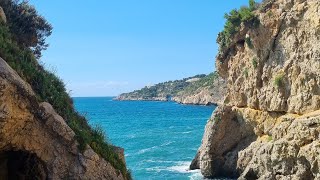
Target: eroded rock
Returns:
[272, 110]
[41, 137]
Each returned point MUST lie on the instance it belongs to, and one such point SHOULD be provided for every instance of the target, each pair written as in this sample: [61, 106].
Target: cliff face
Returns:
[198, 90]
[211, 92]
[36, 142]
[269, 125]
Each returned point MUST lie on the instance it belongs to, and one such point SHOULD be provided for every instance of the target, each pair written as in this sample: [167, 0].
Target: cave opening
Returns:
[21, 165]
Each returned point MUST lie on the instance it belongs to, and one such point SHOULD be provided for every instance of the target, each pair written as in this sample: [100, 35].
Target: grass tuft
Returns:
[255, 62]
[249, 42]
[246, 72]
[279, 80]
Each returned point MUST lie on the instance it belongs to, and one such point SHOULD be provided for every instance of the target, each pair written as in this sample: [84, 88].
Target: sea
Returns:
[160, 138]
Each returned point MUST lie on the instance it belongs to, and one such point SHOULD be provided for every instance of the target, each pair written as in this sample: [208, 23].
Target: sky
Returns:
[107, 47]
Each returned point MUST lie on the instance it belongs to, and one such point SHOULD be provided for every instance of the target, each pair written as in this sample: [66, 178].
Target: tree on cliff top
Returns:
[29, 29]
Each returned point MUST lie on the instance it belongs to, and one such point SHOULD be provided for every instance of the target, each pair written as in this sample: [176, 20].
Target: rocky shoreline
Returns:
[181, 100]
[211, 92]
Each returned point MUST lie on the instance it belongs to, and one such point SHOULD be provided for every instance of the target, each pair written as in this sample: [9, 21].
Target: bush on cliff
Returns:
[278, 80]
[47, 86]
[234, 20]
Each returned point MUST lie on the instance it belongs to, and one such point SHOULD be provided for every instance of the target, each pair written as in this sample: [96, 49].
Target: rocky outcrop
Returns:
[207, 95]
[268, 127]
[36, 142]
[197, 90]
[132, 98]
[3, 15]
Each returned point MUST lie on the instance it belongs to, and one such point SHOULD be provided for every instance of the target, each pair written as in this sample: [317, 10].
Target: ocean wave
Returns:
[155, 169]
[187, 132]
[179, 167]
[167, 143]
[182, 167]
[142, 151]
[158, 161]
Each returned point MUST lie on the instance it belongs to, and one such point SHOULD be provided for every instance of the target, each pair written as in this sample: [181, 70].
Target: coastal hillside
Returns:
[269, 125]
[199, 89]
[42, 136]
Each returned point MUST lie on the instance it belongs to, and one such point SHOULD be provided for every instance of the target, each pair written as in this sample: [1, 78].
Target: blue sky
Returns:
[106, 47]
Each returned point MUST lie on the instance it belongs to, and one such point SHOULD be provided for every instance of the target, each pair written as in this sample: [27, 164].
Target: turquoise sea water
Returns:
[160, 138]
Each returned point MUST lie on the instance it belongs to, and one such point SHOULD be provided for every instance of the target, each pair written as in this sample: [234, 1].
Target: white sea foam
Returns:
[167, 143]
[181, 167]
[142, 151]
[196, 176]
[187, 132]
[158, 161]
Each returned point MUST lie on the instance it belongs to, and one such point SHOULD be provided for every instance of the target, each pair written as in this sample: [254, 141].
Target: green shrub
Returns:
[217, 119]
[252, 5]
[255, 62]
[233, 21]
[246, 72]
[28, 28]
[278, 80]
[269, 138]
[249, 42]
[226, 101]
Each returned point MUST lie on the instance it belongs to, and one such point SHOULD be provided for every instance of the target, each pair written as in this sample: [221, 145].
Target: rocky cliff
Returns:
[36, 142]
[268, 127]
[206, 91]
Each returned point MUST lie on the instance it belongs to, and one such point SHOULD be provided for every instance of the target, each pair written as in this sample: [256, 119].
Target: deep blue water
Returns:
[160, 138]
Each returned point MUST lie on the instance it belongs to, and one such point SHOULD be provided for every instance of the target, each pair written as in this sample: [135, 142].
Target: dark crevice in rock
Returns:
[21, 165]
[251, 175]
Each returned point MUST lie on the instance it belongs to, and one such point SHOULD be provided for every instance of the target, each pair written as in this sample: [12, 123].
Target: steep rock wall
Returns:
[268, 127]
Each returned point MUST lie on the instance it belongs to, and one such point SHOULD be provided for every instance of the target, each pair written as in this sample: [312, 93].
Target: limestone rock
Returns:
[36, 142]
[210, 90]
[3, 15]
[270, 127]
[213, 94]
[286, 47]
